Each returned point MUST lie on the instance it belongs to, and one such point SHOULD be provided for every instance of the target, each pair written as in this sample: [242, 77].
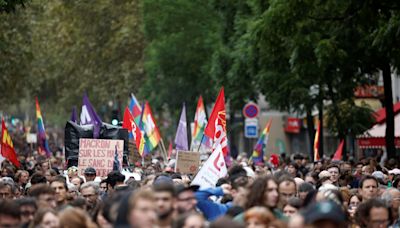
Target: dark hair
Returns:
[62, 180]
[236, 171]
[225, 221]
[26, 201]
[38, 178]
[10, 208]
[364, 209]
[257, 190]
[294, 202]
[333, 165]
[41, 189]
[79, 202]
[164, 187]
[181, 220]
[306, 187]
[368, 177]
[114, 177]
[286, 178]
[294, 164]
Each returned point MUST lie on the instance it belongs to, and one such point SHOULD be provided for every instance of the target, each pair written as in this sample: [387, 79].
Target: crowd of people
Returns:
[296, 193]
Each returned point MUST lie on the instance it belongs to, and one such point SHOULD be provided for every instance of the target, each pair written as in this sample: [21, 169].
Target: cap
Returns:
[395, 171]
[90, 170]
[163, 179]
[182, 188]
[323, 174]
[378, 175]
[324, 210]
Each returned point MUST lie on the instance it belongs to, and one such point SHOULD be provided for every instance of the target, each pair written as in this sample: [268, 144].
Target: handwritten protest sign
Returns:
[99, 154]
[187, 162]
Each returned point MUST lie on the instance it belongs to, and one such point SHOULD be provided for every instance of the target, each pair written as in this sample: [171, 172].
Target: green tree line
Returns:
[302, 55]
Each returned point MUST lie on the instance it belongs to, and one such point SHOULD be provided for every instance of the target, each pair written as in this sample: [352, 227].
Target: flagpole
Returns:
[163, 149]
[201, 141]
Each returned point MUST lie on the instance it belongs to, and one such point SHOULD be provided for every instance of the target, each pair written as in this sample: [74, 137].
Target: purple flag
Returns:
[89, 116]
[74, 116]
[181, 140]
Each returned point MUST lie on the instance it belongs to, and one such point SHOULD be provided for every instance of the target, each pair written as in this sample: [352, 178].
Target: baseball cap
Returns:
[90, 170]
[163, 179]
[324, 210]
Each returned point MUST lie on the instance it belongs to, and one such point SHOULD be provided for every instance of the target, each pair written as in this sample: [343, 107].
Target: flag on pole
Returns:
[135, 108]
[41, 133]
[212, 170]
[74, 116]
[258, 152]
[7, 146]
[316, 142]
[200, 122]
[89, 116]
[339, 152]
[129, 124]
[216, 126]
[148, 124]
[181, 139]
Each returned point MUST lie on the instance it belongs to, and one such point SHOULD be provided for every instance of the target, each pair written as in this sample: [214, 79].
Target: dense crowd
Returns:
[295, 193]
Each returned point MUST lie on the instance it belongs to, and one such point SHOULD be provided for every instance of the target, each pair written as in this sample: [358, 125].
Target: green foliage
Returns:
[10, 5]
[181, 37]
[57, 50]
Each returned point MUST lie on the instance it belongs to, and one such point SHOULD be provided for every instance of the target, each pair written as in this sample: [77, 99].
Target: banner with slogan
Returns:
[187, 162]
[99, 154]
[213, 169]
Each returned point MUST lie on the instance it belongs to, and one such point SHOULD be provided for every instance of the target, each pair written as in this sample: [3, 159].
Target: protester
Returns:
[297, 193]
[46, 218]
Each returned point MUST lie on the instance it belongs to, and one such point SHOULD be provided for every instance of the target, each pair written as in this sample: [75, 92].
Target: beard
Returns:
[165, 214]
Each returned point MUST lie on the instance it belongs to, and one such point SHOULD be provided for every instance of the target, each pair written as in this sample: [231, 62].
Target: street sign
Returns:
[251, 128]
[250, 110]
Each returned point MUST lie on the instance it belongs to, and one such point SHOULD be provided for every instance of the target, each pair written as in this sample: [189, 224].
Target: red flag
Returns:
[169, 149]
[216, 127]
[7, 147]
[339, 151]
[129, 124]
[316, 143]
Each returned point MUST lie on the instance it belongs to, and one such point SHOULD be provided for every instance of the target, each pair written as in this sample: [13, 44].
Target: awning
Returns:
[375, 137]
[380, 115]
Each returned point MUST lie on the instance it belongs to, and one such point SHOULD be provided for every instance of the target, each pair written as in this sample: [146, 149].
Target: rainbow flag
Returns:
[135, 108]
[41, 133]
[258, 152]
[200, 123]
[152, 134]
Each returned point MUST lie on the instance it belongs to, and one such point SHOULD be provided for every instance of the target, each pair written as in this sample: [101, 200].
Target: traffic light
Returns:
[115, 119]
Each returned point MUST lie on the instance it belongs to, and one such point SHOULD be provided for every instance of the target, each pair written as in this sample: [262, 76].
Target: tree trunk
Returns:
[387, 84]
[311, 133]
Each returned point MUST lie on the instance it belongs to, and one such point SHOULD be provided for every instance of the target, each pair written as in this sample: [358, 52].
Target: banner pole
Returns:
[164, 153]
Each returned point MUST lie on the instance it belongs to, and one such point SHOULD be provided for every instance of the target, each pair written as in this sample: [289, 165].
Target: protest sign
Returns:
[187, 162]
[213, 169]
[99, 154]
